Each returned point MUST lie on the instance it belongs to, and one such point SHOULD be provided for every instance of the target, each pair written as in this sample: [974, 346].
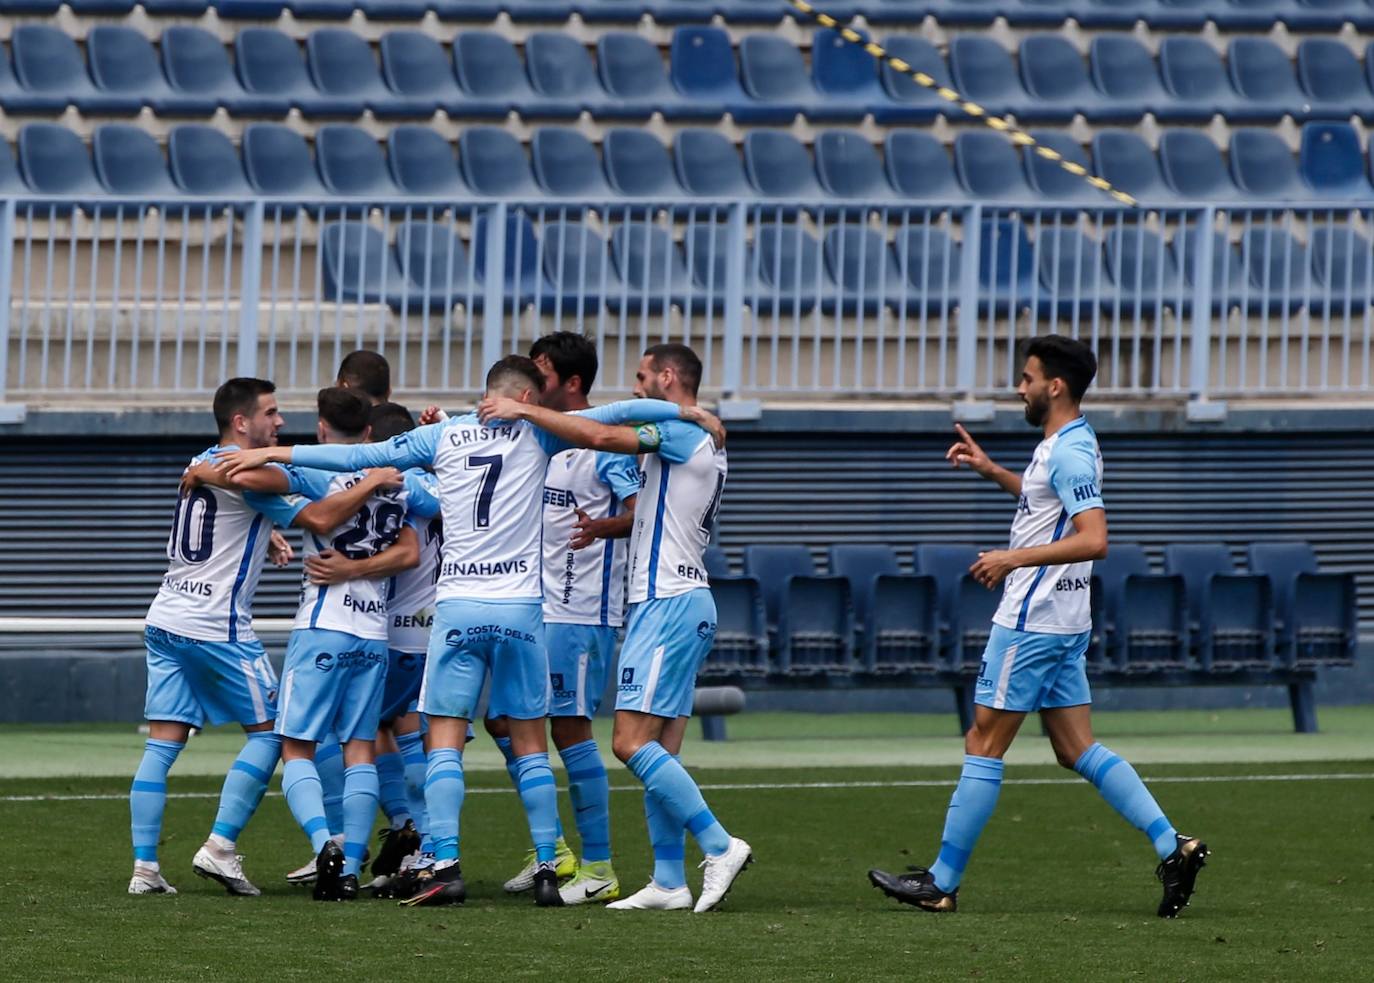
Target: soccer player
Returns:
[587, 494]
[204, 661]
[489, 616]
[672, 622]
[367, 374]
[1035, 655]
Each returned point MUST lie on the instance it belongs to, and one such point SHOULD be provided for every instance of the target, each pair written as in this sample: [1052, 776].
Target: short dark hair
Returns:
[515, 368]
[389, 419]
[683, 360]
[344, 410]
[1065, 358]
[571, 354]
[367, 372]
[237, 396]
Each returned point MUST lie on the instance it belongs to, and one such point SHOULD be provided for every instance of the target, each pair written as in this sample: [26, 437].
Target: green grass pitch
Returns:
[1059, 888]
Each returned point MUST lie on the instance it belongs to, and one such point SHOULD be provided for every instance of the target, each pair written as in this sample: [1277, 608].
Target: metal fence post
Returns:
[966, 342]
[250, 290]
[1200, 409]
[6, 276]
[734, 302]
[494, 287]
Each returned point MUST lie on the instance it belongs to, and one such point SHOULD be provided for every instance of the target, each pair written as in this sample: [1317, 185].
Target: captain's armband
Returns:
[650, 437]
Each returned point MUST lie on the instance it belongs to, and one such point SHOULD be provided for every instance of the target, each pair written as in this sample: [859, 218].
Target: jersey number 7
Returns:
[490, 466]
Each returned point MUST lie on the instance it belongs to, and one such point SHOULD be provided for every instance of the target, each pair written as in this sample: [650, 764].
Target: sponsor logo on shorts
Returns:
[983, 680]
[559, 686]
[324, 662]
[357, 658]
[627, 681]
[706, 630]
[456, 636]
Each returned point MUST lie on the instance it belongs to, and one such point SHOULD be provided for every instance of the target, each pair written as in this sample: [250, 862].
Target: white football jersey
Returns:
[410, 594]
[215, 555]
[1064, 478]
[586, 586]
[683, 482]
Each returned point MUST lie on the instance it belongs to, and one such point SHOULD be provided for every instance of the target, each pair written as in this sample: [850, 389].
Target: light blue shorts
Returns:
[1025, 671]
[332, 682]
[191, 681]
[405, 671]
[473, 638]
[665, 642]
[579, 658]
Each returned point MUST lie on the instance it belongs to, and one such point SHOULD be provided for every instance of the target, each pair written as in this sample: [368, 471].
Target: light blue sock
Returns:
[508, 753]
[304, 797]
[359, 809]
[329, 764]
[246, 782]
[1126, 793]
[412, 747]
[664, 775]
[444, 800]
[969, 809]
[148, 797]
[591, 798]
[668, 837]
[391, 774]
[539, 795]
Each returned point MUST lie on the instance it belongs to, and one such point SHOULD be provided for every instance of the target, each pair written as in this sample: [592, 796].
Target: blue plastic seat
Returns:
[278, 162]
[845, 75]
[1126, 161]
[273, 74]
[636, 84]
[562, 76]
[1048, 179]
[788, 268]
[816, 627]
[1332, 162]
[522, 281]
[566, 165]
[779, 167]
[351, 163]
[907, 101]
[357, 266]
[1145, 614]
[919, 168]
[849, 167]
[931, 260]
[775, 79]
[983, 72]
[48, 70]
[204, 162]
[1070, 271]
[709, 166]
[1264, 80]
[577, 268]
[1230, 282]
[1006, 266]
[422, 163]
[863, 266]
[895, 615]
[706, 246]
[703, 71]
[1126, 75]
[1317, 611]
[490, 74]
[128, 161]
[966, 607]
[638, 166]
[11, 182]
[115, 7]
[53, 162]
[1340, 269]
[653, 272]
[1144, 270]
[1195, 80]
[198, 71]
[1333, 79]
[1054, 74]
[418, 72]
[125, 71]
[1278, 267]
[494, 163]
[988, 167]
[1231, 614]
[255, 9]
[346, 74]
[1263, 167]
[438, 273]
[718, 565]
[342, 9]
[773, 566]
[1192, 165]
[741, 642]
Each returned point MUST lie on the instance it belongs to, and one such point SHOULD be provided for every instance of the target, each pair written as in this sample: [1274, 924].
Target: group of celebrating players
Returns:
[487, 547]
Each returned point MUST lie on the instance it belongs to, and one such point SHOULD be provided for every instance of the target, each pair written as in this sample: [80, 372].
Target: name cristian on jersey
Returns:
[460, 435]
[484, 568]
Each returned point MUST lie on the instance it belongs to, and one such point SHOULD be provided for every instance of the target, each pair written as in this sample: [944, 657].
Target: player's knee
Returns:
[568, 731]
[1065, 758]
[624, 746]
[496, 726]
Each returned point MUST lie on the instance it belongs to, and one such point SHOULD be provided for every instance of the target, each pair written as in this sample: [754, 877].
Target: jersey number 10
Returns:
[193, 527]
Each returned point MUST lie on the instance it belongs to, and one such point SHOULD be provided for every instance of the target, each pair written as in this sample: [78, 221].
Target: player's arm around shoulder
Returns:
[329, 567]
[328, 511]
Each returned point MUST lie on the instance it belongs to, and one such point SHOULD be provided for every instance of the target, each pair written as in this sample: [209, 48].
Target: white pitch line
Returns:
[775, 786]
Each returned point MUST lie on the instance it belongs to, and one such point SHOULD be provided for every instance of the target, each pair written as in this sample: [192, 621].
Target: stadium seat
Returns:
[702, 69]
[566, 164]
[277, 161]
[773, 566]
[1230, 614]
[983, 72]
[128, 161]
[708, 166]
[741, 642]
[774, 77]
[490, 74]
[1070, 271]
[1145, 614]
[845, 75]
[790, 270]
[439, 274]
[638, 166]
[1264, 79]
[908, 101]
[1263, 167]
[1333, 79]
[198, 72]
[1317, 612]
[494, 163]
[815, 626]
[53, 163]
[779, 167]
[577, 269]
[1048, 180]
[896, 615]
[351, 163]
[11, 182]
[862, 264]
[1230, 282]
[346, 75]
[706, 248]
[861, 565]
[919, 168]
[1278, 268]
[1192, 165]
[1125, 161]
[988, 166]
[717, 563]
[1331, 161]
[1054, 75]
[48, 70]
[848, 166]
[652, 269]
[1194, 80]
[273, 74]
[1341, 259]
[418, 73]
[125, 71]
[422, 162]
[966, 607]
[1125, 74]
[562, 75]
[1145, 272]
[631, 72]
[931, 261]
[204, 162]
[357, 266]
[522, 280]
[1006, 266]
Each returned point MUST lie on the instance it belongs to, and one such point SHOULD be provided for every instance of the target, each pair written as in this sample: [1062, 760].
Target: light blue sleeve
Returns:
[279, 508]
[312, 483]
[678, 440]
[618, 472]
[1073, 475]
[614, 414]
[422, 497]
[414, 449]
